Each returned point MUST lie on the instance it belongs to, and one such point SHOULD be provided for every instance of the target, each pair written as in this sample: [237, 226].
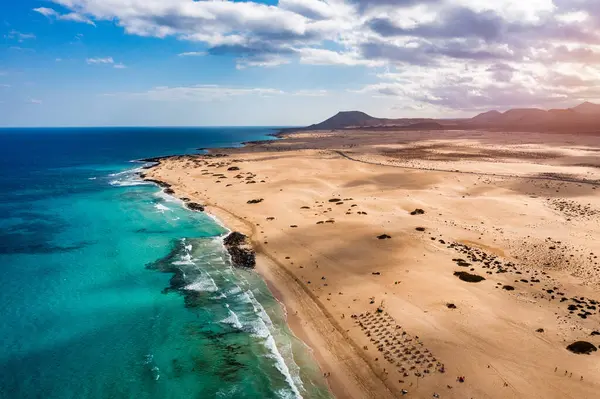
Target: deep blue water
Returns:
[84, 252]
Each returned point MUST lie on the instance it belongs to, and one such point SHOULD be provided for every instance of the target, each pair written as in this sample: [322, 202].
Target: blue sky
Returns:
[289, 62]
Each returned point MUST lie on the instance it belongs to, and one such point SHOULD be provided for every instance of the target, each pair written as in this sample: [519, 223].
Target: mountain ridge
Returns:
[586, 114]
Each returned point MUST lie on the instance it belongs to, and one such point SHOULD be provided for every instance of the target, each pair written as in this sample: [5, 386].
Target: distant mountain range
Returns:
[585, 116]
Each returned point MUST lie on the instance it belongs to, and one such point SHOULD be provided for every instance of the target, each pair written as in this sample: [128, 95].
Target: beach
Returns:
[112, 288]
[457, 263]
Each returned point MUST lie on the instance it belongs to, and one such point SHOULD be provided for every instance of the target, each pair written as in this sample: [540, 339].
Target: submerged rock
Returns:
[240, 250]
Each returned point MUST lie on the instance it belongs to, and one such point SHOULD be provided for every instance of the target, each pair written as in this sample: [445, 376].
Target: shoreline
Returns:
[344, 279]
[294, 328]
[267, 268]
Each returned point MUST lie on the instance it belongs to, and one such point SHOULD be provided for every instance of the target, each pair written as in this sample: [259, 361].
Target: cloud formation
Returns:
[19, 36]
[202, 93]
[480, 54]
[105, 61]
[50, 13]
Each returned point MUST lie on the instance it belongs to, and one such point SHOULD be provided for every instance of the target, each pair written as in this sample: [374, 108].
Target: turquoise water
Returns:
[87, 254]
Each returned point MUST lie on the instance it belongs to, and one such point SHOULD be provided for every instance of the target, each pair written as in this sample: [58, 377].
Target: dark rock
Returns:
[417, 212]
[169, 191]
[582, 348]
[242, 255]
[234, 239]
[233, 168]
[255, 201]
[420, 229]
[384, 237]
[539, 330]
[159, 183]
[595, 333]
[376, 273]
[468, 277]
[194, 206]
[508, 288]
[451, 306]
[335, 200]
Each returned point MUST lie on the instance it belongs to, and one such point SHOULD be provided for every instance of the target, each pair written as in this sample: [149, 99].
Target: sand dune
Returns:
[385, 295]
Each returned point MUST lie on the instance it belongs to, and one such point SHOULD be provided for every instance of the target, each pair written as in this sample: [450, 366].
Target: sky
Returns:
[290, 62]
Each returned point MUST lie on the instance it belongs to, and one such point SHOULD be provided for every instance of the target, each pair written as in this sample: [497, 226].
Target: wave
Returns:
[161, 208]
[203, 285]
[233, 319]
[128, 178]
[128, 182]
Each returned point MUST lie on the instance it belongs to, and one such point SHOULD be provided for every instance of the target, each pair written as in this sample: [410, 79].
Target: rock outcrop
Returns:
[240, 250]
[194, 206]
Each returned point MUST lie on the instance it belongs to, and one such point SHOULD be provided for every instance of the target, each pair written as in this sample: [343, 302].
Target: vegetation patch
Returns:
[468, 277]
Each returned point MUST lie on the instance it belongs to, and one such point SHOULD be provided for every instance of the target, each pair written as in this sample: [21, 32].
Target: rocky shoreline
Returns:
[239, 248]
[237, 244]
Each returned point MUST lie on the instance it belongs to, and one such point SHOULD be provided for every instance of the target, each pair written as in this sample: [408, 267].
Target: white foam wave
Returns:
[92, 178]
[185, 260]
[232, 319]
[161, 208]
[262, 328]
[126, 172]
[128, 182]
[206, 284]
[168, 198]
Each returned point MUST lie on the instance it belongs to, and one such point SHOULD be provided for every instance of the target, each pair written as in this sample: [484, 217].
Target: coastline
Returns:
[291, 294]
[325, 263]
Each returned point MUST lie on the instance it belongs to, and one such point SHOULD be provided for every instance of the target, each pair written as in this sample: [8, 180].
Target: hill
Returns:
[346, 119]
[585, 116]
[587, 108]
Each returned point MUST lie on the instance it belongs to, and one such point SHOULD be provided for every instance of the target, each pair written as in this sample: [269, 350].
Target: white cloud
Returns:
[58, 60]
[198, 93]
[19, 36]
[45, 11]
[311, 93]
[34, 101]
[5, 85]
[193, 54]
[106, 60]
[75, 17]
[448, 53]
[316, 56]
[262, 61]
[72, 16]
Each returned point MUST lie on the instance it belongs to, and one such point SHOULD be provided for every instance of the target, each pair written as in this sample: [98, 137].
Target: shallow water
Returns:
[87, 254]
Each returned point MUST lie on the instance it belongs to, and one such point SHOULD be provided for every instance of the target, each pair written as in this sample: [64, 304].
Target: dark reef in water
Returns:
[157, 182]
[182, 276]
[240, 250]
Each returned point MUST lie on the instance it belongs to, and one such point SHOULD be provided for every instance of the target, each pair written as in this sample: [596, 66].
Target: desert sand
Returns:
[374, 242]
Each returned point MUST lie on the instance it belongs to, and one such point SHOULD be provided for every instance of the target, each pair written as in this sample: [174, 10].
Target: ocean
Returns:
[87, 252]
